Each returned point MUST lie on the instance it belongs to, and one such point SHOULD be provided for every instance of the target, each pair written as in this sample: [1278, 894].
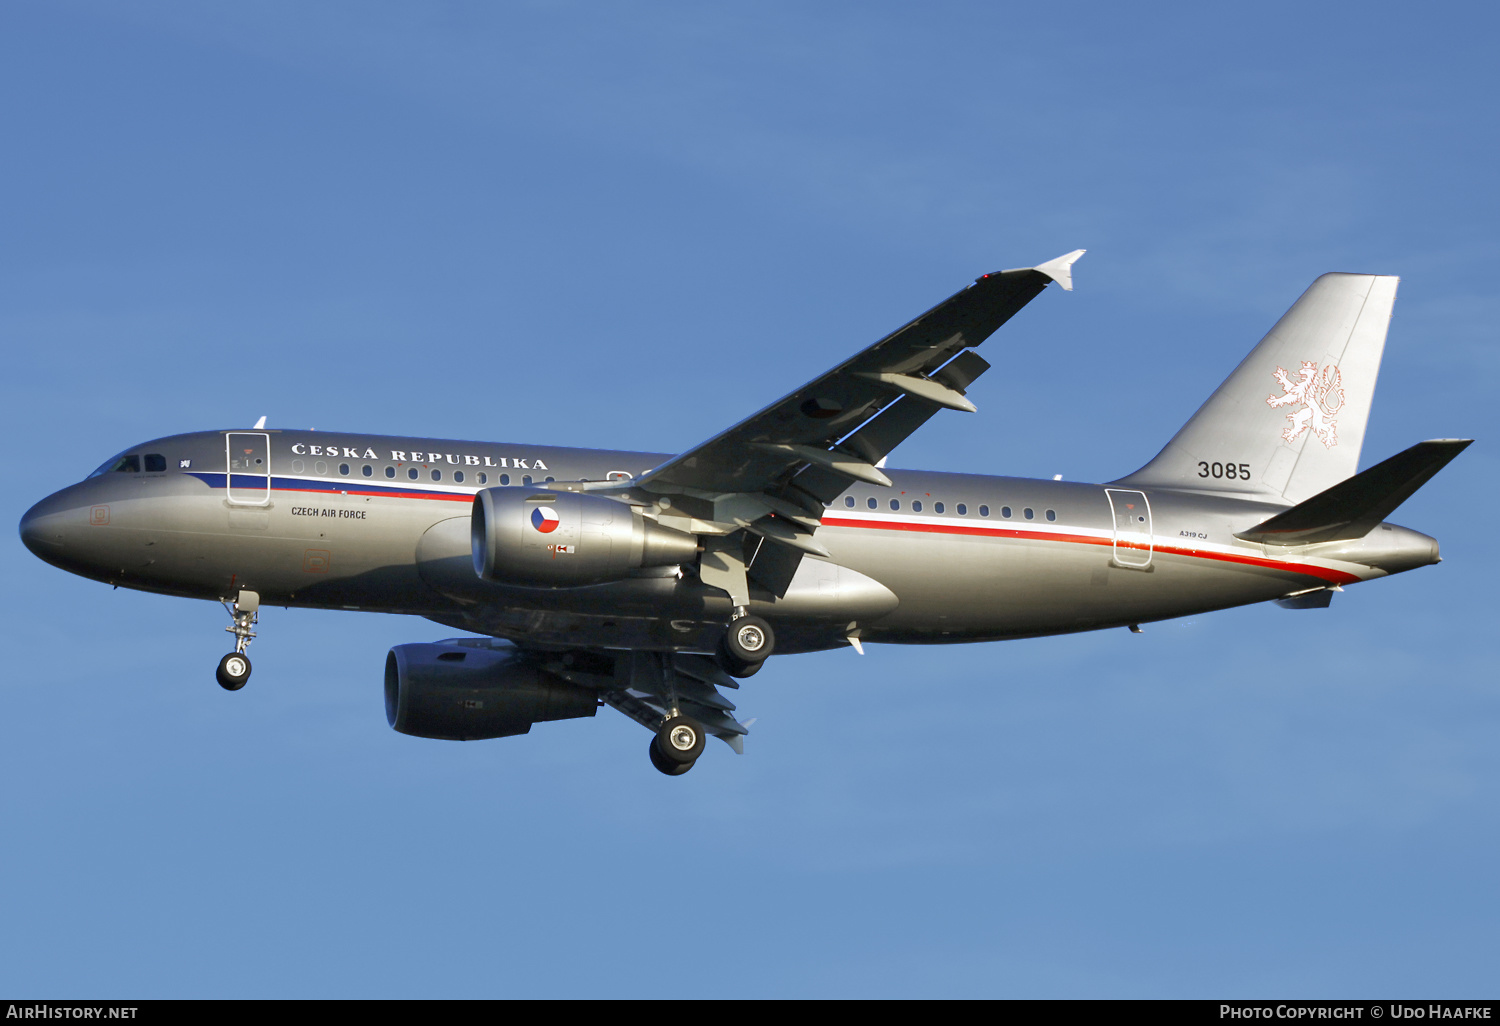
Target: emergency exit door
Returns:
[1133, 541]
[249, 471]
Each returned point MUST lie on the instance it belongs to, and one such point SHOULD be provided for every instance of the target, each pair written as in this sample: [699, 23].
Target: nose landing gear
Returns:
[234, 668]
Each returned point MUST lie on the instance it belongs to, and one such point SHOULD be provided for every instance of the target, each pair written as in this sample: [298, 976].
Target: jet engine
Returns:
[524, 536]
[460, 692]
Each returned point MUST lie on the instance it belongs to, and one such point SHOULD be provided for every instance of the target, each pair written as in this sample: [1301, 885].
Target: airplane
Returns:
[654, 583]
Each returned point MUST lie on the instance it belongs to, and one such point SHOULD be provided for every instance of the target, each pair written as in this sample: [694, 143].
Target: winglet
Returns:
[1061, 269]
[259, 424]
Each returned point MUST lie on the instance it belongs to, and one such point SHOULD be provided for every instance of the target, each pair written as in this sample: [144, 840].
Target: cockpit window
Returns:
[155, 463]
[123, 462]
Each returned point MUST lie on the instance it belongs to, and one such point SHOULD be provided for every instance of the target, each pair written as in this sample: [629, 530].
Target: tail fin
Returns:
[1290, 421]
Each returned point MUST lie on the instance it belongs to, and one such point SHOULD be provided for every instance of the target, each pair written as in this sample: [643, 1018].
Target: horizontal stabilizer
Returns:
[1352, 508]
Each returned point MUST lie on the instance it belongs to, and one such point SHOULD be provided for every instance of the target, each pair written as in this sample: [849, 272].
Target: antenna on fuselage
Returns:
[260, 423]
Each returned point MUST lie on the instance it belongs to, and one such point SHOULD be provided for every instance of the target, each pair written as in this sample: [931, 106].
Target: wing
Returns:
[771, 474]
[846, 420]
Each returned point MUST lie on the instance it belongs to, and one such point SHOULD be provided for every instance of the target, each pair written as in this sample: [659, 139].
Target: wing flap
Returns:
[656, 682]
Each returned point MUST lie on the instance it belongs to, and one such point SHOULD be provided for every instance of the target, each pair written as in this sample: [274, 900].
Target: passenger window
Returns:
[504, 479]
[1052, 514]
[437, 475]
[872, 503]
[937, 507]
[412, 473]
[962, 510]
[895, 504]
[916, 505]
[984, 511]
[526, 479]
[1005, 512]
[849, 501]
[1027, 513]
[550, 480]
[155, 463]
[483, 477]
[344, 469]
[321, 468]
[298, 466]
[367, 470]
[458, 476]
[390, 471]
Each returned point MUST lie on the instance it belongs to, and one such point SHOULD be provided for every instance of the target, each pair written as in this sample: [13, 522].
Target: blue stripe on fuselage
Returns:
[256, 482]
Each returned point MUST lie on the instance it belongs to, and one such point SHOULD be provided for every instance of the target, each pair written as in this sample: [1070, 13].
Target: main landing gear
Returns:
[234, 669]
[746, 645]
[677, 745]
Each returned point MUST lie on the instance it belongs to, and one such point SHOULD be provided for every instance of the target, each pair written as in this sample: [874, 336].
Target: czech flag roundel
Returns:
[544, 519]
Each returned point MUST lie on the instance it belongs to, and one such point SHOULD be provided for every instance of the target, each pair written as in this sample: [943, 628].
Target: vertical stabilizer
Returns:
[1290, 421]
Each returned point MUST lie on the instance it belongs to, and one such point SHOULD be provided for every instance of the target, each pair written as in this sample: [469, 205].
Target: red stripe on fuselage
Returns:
[1305, 569]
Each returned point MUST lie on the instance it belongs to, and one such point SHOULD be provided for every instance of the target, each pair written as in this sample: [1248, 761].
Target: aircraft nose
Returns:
[42, 529]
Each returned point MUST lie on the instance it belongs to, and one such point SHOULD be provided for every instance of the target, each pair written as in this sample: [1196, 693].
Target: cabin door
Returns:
[249, 455]
[1133, 542]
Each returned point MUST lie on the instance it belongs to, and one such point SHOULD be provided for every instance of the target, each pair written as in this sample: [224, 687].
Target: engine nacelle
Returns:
[531, 536]
[456, 692]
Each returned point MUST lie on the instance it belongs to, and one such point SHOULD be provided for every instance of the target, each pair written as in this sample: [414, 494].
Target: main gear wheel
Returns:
[749, 640]
[677, 745]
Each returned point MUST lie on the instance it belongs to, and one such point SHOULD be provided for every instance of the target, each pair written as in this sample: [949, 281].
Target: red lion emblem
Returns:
[1320, 397]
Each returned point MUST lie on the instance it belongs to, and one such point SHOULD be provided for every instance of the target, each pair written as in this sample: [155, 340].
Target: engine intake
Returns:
[456, 692]
[525, 536]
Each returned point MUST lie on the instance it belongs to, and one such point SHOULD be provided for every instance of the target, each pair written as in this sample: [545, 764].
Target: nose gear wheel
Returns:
[234, 671]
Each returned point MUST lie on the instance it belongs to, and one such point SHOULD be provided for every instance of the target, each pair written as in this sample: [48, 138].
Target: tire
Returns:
[750, 639]
[234, 671]
[671, 769]
[679, 741]
[735, 667]
[744, 670]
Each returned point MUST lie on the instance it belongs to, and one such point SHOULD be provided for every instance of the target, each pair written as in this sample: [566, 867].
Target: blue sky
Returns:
[631, 225]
